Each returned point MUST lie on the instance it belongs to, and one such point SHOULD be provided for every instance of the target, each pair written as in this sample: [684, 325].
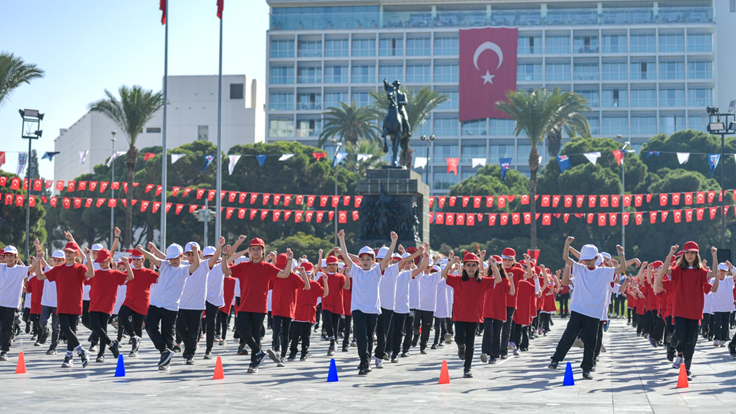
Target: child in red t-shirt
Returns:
[306, 310]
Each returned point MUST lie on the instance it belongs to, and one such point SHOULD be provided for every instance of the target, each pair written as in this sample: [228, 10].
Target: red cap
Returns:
[257, 242]
[308, 267]
[497, 258]
[470, 257]
[691, 246]
[73, 246]
[508, 253]
[332, 260]
[102, 255]
[673, 259]
[135, 254]
[280, 260]
[657, 264]
[678, 254]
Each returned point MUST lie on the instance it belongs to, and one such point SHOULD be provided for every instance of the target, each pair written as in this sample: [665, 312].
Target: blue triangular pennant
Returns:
[338, 158]
[653, 153]
[505, 165]
[50, 155]
[261, 159]
[207, 160]
[713, 162]
[564, 162]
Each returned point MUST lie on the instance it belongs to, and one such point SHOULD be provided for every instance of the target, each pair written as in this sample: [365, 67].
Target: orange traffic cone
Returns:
[444, 374]
[219, 373]
[682, 379]
[21, 367]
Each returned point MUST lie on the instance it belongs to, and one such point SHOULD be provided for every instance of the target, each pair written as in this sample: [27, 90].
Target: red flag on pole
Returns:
[452, 164]
[162, 7]
[148, 156]
[220, 5]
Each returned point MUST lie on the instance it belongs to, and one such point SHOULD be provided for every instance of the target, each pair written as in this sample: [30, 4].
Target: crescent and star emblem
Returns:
[488, 78]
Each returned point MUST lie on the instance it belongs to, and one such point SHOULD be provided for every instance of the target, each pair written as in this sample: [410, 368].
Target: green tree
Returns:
[33, 166]
[130, 113]
[537, 113]
[15, 72]
[365, 147]
[348, 124]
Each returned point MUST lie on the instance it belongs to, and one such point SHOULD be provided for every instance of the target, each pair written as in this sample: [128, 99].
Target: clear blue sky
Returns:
[87, 46]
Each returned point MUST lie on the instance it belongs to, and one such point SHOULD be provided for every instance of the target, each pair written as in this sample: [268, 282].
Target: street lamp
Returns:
[112, 209]
[205, 215]
[623, 187]
[30, 130]
[718, 124]
[426, 167]
[334, 162]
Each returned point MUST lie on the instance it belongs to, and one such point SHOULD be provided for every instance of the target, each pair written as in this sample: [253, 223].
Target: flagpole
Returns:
[163, 131]
[218, 198]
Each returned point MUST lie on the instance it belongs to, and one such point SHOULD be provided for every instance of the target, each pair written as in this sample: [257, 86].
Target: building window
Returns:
[446, 46]
[498, 151]
[530, 45]
[390, 72]
[237, 91]
[333, 99]
[671, 97]
[362, 98]
[700, 97]
[203, 133]
[614, 44]
[281, 128]
[473, 151]
[558, 44]
[153, 130]
[585, 44]
[643, 125]
[502, 127]
[474, 128]
[591, 95]
[700, 70]
[643, 43]
[615, 71]
[364, 74]
[643, 97]
[282, 75]
[669, 43]
[336, 74]
[391, 47]
[444, 127]
[310, 74]
[558, 72]
[310, 48]
[594, 123]
[643, 71]
[700, 42]
[281, 101]
[442, 151]
[670, 124]
[445, 73]
[282, 48]
[586, 71]
[418, 47]
[418, 74]
[697, 122]
[452, 102]
[364, 47]
[522, 154]
[443, 180]
[309, 101]
[308, 128]
[529, 72]
[613, 125]
[615, 98]
[671, 70]
[336, 48]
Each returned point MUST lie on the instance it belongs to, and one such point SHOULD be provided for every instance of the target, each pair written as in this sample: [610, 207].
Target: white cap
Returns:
[324, 263]
[294, 264]
[397, 256]
[57, 254]
[722, 266]
[173, 251]
[368, 250]
[340, 265]
[10, 250]
[436, 268]
[405, 255]
[588, 252]
[381, 252]
[599, 260]
[606, 255]
[96, 247]
[209, 251]
[189, 245]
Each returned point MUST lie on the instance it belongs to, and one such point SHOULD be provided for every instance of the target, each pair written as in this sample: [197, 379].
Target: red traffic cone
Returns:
[444, 374]
[219, 373]
[682, 378]
[21, 367]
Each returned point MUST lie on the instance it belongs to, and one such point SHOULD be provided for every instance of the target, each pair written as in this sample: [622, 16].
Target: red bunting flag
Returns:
[193, 208]
[449, 219]
[699, 214]
[32, 201]
[516, 218]
[48, 184]
[298, 216]
[115, 185]
[222, 195]
[88, 203]
[688, 199]
[689, 215]
[266, 197]
[431, 202]
[504, 219]
[187, 190]
[603, 201]
[579, 200]
[276, 215]
[452, 164]
[335, 201]
[318, 156]
[158, 190]
[441, 201]
[320, 214]
[310, 200]
[546, 219]
[664, 214]
[178, 209]
[460, 219]
[612, 218]
[440, 219]
[113, 203]
[71, 186]
[592, 200]
[489, 201]
[711, 196]
[264, 213]
[277, 199]
[627, 200]
[590, 217]
[100, 202]
[431, 218]
[713, 211]
[253, 198]
[466, 200]
[148, 156]
[342, 217]
[77, 202]
[15, 183]
[524, 199]
[20, 199]
[653, 217]
[346, 201]
[168, 207]
[53, 201]
[527, 218]
[298, 199]
[677, 216]
[618, 155]
[287, 200]
[323, 201]
[615, 200]
[229, 213]
[59, 185]
[3, 181]
[492, 219]
[476, 202]
[566, 217]
[663, 199]
[232, 195]
[144, 205]
[568, 201]
[358, 201]
[649, 198]
[625, 218]
[602, 219]
[501, 200]
[9, 199]
[700, 197]
[511, 198]
[452, 201]
[253, 213]
[675, 199]
[356, 216]
[200, 193]
[546, 201]
[287, 214]
[638, 199]
[211, 195]
[149, 187]
[156, 206]
[241, 213]
[555, 201]
[470, 219]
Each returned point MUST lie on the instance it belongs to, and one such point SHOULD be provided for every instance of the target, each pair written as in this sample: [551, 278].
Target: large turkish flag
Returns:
[487, 70]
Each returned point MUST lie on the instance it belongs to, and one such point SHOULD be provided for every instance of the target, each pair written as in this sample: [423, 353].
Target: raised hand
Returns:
[569, 239]
[151, 246]
[117, 232]
[714, 250]
[241, 238]
[394, 236]
[341, 234]
[674, 248]
[620, 250]
[289, 254]
[221, 242]
[68, 236]
[451, 255]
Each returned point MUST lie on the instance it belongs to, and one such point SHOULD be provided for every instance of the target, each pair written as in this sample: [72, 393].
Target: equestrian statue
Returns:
[396, 125]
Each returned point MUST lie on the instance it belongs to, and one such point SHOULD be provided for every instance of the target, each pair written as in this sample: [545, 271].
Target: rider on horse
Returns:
[401, 101]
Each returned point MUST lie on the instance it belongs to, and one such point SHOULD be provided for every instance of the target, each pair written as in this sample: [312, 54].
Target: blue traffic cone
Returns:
[120, 370]
[569, 381]
[332, 375]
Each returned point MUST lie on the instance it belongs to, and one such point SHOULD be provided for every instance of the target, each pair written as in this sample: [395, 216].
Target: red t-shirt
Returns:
[689, 287]
[69, 284]
[306, 302]
[35, 288]
[548, 298]
[333, 302]
[138, 293]
[469, 297]
[518, 273]
[495, 300]
[254, 279]
[526, 306]
[283, 299]
[104, 290]
[229, 294]
[347, 297]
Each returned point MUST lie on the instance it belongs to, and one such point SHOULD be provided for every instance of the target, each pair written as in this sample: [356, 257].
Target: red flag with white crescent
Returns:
[162, 7]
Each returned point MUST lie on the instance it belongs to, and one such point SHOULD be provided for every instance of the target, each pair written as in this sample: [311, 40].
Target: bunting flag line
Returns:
[50, 155]
[207, 161]
[592, 156]
[338, 158]
[22, 160]
[233, 160]
[420, 162]
[285, 157]
[564, 162]
[452, 164]
[148, 156]
[683, 157]
[261, 159]
[653, 153]
[619, 156]
[478, 162]
[505, 165]
[113, 157]
[365, 157]
[176, 157]
[713, 162]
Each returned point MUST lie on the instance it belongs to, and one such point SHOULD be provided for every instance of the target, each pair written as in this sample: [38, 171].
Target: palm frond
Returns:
[15, 72]
[132, 111]
[348, 123]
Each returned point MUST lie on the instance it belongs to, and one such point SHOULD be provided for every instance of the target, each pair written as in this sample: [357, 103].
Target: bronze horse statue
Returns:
[396, 126]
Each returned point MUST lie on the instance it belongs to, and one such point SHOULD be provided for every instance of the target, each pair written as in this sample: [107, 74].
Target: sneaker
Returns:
[448, 338]
[281, 363]
[379, 363]
[461, 352]
[468, 374]
[242, 350]
[272, 355]
[83, 356]
[115, 349]
[441, 344]
[176, 349]
[93, 349]
[37, 343]
[223, 342]
[252, 370]
[652, 342]
[259, 359]
[291, 358]
[716, 343]
[136, 345]
[394, 359]
[723, 344]
[3, 356]
[51, 351]
[67, 362]
[677, 363]
[603, 348]
[732, 349]
[353, 345]
[405, 354]
[434, 346]
[423, 351]
[516, 352]
[492, 360]
[165, 358]
[304, 357]
[133, 354]
[345, 349]
[362, 371]
[605, 326]
[208, 355]
[511, 346]
[386, 357]
[504, 356]
[100, 358]
[552, 365]
[484, 358]
[689, 375]
[331, 350]
[587, 375]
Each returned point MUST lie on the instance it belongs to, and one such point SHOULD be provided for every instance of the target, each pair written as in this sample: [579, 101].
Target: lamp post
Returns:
[623, 187]
[205, 215]
[334, 162]
[30, 130]
[426, 166]
[719, 124]
[112, 209]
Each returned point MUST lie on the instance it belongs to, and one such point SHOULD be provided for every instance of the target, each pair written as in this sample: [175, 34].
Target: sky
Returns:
[87, 46]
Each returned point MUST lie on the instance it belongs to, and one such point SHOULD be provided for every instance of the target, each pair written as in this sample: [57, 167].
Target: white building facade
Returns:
[646, 67]
[192, 115]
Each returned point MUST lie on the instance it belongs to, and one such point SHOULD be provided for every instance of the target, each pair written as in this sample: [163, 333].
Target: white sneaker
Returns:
[484, 358]
[512, 346]
[379, 363]
[716, 342]
[677, 363]
[603, 348]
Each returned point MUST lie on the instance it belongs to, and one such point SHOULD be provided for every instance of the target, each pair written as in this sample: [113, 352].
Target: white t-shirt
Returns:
[170, 285]
[86, 288]
[414, 293]
[708, 299]
[216, 286]
[443, 308]
[365, 289]
[428, 291]
[11, 285]
[269, 299]
[722, 300]
[195, 289]
[591, 288]
[615, 290]
[237, 288]
[387, 287]
[49, 291]
[27, 302]
[122, 290]
[401, 299]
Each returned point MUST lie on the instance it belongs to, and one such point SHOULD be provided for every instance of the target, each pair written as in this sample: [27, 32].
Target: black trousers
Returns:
[348, 323]
[365, 327]
[440, 329]
[383, 325]
[7, 318]
[68, 324]
[249, 325]
[465, 336]
[131, 321]
[686, 333]
[187, 326]
[565, 304]
[318, 314]
[619, 305]
[720, 332]
[408, 331]
[423, 319]
[587, 328]
[599, 341]
[98, 322]
[165, 320]
[93, 339]
[397, 332]
[658, 326]
[211, 314]
[47, 312]
[506, 330]
[492, 337]
[281, 326]
[300, 331]
[221, 325]
[331, 323]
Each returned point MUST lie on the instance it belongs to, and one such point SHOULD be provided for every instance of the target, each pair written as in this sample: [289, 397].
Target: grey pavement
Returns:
[631, 377]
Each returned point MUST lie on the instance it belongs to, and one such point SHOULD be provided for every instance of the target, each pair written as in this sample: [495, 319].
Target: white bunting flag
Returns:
[285, 157]
[114, 156]
[176, 157]
[22, 161]
[363, 157]
[420, 162]
[683, 157]
[479, 162]
[233, 160]
[83, 156]
[592, 156]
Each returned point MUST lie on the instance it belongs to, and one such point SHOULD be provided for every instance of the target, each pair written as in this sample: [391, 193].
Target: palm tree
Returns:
[538, 113]
[130, 113]
[371, 148]
[348, 123]
[14, 72]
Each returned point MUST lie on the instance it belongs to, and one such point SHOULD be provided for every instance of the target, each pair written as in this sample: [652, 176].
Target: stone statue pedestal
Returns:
[394, 200]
